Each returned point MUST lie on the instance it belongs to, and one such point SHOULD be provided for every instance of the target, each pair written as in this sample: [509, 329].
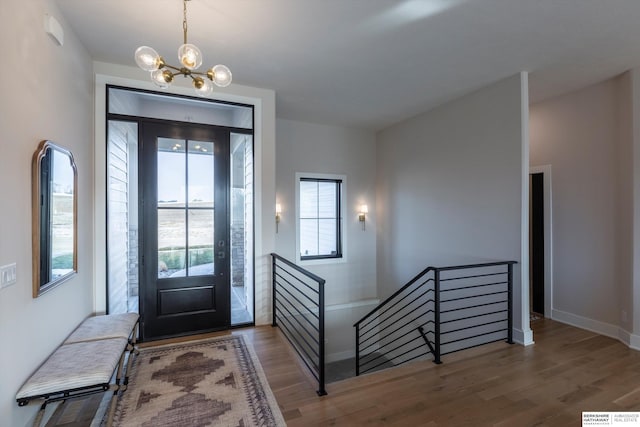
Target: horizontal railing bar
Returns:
[294, 287]
[395, 348]
[278, 291]
[473, 317]
[471, 327]
[386, 301]
[301, 315]
[472, 277]
[304, 359]
[471, 306]
[283, 297]
[297, 336]
[468, 266]
[309, 274]
[283, 300]
[474, 286]
[396, 303]
[473, 346]
[400, 355]
[301, 336]
[363, 348]
[300, 349]
[474, 336]
[284, 270]
[473, 296]
[408, 323]
[397, 311]
[363, 333]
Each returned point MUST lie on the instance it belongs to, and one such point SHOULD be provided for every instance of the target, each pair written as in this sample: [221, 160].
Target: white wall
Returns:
[315, 148]
[586, 138]
[450, 189]
[50, 96]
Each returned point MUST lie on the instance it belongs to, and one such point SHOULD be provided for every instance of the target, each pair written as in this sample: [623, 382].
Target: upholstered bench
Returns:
[85, 363]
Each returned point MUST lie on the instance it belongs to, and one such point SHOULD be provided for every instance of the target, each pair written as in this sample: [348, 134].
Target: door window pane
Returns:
[172, 241]
[171, 172]
[201, 247]
[201, 181]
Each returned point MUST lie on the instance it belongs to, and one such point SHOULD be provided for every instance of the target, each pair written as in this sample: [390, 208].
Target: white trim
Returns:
[351, 305]
[524, 334]
[607, 329]
[343, 200]
[545, 170]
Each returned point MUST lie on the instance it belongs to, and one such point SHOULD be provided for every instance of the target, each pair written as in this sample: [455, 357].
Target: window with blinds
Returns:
[320, 221]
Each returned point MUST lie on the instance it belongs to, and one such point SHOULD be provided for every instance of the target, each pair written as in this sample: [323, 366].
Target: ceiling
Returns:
[373, 63]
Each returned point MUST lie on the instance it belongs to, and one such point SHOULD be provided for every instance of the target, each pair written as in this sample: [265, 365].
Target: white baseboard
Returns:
[607, 329]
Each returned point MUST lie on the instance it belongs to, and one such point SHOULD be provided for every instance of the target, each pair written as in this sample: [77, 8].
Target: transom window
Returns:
[320, 218]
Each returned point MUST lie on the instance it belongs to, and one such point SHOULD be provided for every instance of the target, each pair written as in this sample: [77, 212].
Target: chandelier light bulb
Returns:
[203, 87]
[220, 75]
[162, 78]
[190, 56]
[147, 58]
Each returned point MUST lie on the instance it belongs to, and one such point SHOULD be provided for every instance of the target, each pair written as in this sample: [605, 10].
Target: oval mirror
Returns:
[54, 199]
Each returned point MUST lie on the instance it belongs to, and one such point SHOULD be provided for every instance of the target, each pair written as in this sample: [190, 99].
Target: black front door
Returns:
[183, 179]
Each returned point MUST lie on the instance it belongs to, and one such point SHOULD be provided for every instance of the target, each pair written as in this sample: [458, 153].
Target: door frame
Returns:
[262, 102]
[545, 170]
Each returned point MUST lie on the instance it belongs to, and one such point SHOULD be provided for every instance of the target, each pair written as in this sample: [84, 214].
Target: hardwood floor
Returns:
[567, 371]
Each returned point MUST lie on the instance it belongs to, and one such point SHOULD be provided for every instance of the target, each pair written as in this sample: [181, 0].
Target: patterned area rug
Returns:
[212, 382]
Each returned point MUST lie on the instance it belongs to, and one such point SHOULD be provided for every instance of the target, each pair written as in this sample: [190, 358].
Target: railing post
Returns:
[436, 315]
[273, 291]
[510, 303]
[357, 349]
[321, 390]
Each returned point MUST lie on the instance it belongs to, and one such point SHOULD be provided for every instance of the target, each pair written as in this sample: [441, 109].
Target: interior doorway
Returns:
[540, 243]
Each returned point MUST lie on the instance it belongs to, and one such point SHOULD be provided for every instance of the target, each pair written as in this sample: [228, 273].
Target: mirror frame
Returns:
[39, 287]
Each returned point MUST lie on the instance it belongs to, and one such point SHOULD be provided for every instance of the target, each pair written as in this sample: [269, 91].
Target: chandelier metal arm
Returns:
[184, 20]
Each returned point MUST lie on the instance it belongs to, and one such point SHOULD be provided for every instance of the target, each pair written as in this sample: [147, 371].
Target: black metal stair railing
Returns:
[440, 311]
[298, 310]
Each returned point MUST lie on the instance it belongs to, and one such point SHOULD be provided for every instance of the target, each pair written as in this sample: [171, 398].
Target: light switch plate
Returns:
[8, 275]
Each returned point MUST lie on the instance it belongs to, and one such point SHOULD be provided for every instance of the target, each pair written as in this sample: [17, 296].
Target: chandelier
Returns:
[190, 58]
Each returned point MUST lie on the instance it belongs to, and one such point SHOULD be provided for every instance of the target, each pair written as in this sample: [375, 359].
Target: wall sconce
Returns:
[362, 216]
[278, 212]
